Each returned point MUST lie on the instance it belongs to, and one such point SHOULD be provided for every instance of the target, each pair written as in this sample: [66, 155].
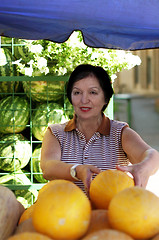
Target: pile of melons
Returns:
[115, 209]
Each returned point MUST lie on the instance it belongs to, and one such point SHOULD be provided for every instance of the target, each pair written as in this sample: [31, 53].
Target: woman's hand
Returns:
[139, 173]
[85, 173]
[143, 170]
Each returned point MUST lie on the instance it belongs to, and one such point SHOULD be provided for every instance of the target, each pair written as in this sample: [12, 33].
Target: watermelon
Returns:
[45, 114]
[8, 88]
[25, 196]
[42, 91]
[7, 68]
[35, 165]
[21, 51]
[14, 114]
[69, 111]
[15, 152]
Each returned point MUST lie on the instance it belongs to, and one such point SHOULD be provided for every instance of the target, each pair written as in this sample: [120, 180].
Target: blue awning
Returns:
[115, 24]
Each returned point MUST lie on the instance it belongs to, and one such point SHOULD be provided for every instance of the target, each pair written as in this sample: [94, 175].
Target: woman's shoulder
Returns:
[57, 126]
[118, 124]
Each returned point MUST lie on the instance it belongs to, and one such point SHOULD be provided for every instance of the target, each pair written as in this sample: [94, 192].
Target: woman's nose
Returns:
[85, 98]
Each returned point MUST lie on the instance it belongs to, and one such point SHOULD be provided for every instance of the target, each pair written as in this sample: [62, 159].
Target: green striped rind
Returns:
[8, 87]
[18, 177]
[26, 197]
[42, 91]
[69, 111]
[21, 52]
[45, 114]
[15, 152]
[14, 114]
[36, 165]
[8, 69]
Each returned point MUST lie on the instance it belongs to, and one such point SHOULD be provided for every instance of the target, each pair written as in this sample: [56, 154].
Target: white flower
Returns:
[49, 49]
[75, 42]
[29, 71]
[31, 62]
[41, 62]
[94, 55]
[36, 48]
[17, 62]
[3, 60]
[113, 77]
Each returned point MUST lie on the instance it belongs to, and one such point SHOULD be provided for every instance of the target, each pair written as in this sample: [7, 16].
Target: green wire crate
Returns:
[27, 106]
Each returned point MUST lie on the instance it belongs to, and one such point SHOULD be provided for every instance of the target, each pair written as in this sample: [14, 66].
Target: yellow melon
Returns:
[107, 184]
[62, 211]
[135, 211]
[156, 237]
[26, 214]
[107, 234]
[99, 220]
[29, 236]
[25, 226]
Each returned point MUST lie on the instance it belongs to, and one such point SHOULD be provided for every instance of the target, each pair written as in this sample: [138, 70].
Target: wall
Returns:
[142, 79]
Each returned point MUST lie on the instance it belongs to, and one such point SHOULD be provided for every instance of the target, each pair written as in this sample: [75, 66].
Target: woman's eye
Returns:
[93, 92]
[76, 92]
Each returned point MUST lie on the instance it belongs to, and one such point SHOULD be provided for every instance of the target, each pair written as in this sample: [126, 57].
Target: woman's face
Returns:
[87, 97]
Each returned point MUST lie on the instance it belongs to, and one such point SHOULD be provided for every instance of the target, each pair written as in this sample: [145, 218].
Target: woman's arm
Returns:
[52, 166]
[144, 159]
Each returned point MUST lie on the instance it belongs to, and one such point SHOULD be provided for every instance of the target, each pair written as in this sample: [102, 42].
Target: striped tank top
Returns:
[103, 150]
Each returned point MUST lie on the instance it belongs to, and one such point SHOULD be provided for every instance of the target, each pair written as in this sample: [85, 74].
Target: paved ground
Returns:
[145, 121]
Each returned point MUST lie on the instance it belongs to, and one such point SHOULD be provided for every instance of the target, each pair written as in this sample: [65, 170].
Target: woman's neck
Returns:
[88, 126]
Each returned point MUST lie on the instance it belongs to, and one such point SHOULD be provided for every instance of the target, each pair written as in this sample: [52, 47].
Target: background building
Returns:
[142, 79]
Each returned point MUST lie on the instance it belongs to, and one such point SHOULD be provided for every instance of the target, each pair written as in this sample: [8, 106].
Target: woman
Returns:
[91, 142]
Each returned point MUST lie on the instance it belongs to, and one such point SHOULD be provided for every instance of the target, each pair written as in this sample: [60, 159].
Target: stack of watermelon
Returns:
[26, 110]
[45, 114]
[14, 114]
[35, 165]
[43, 91]
[26, 197]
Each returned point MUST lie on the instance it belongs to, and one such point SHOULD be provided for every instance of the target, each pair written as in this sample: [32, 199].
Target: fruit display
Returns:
[8, 87]
[63, 211]
[27, 214]
[10, 212]
[29, 235]
[58, 209]
[14, 114]
[15, 152]
[26, 107]
[7, 68]
[35, 164]
[135, 212]
[43, 91]
[19, 178]
[25, 226]
[45, 114]
[107, 234]
[69, 111]
[98, 221]
[108, 179]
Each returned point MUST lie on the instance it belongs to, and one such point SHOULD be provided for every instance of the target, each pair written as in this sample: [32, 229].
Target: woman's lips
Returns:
[85, 109]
